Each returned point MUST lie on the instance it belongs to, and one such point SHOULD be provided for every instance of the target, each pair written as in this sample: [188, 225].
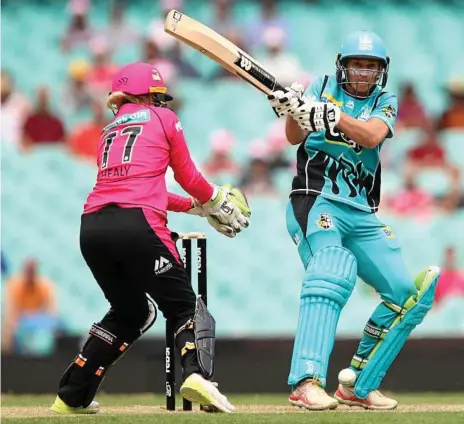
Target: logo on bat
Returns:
[245, 63]
[176, 17]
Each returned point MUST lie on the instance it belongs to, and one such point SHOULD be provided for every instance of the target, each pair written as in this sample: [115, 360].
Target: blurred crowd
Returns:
[30, 123]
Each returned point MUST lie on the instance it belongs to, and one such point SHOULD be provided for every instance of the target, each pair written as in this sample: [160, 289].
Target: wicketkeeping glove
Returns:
[224, 229]
[229, 206]
[199, 210]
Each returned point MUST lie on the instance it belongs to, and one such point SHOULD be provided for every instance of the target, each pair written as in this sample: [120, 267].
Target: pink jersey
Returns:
[134, 152]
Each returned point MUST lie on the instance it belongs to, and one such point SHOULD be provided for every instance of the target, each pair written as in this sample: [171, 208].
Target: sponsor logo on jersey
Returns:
[325, 221]
[365, 113]
[138, 117]
[388, 232]
[326, 97]
[389, 111]
[335, 136]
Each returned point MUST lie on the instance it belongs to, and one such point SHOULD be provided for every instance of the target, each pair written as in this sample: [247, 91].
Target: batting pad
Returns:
[328, 283]
[413, 313]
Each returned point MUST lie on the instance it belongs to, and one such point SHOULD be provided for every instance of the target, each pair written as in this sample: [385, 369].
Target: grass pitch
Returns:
[147, 408]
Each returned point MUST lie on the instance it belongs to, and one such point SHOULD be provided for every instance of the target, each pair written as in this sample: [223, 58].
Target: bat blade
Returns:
[219, 49]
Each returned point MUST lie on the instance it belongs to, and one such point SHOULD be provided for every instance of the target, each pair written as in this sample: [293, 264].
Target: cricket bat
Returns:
[221, 50]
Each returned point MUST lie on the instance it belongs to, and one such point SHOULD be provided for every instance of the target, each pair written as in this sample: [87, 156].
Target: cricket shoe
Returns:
[310, 395]
[375, 399]
[60, 407]
[197, 389]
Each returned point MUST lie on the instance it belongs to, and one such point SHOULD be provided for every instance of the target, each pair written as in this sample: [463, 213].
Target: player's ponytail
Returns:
[116, 100]
[119, 98]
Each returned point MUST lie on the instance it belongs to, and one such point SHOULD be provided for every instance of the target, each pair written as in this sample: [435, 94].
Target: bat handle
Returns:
[278, 87]
[282, 88]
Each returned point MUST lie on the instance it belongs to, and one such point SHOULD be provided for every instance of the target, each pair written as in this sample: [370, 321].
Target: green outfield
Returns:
[146, 408]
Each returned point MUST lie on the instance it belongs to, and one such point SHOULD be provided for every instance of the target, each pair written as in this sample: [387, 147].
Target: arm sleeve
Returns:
[386, 110]
[185, 171]
[178, 203]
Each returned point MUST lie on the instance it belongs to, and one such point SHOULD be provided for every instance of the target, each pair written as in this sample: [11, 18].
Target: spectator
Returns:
[184, 68]
[451, 282]
[269, 19]
[167, 68]
[4, 265]
[29, 298]
[257, 179]
[285, 66]
[224, 23]
[77, 96]
[79, 32]
[429, 154]
[42, 126]
[151, 54]
[83, 141]
[102, 68]
[411, 113]
[156, 31]
[411, 201]
[453, 116]
[221, 160]
[15, 109]
[120, 32]
[277, 144]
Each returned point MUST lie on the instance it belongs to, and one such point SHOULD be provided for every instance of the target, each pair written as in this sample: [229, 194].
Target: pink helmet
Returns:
[139, 78]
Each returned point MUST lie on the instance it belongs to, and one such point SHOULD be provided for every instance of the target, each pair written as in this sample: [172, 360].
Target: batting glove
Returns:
[316, 116]
[283, 102]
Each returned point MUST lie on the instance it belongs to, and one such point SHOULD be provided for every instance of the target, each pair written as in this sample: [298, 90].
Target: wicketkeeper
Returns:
[130, 250]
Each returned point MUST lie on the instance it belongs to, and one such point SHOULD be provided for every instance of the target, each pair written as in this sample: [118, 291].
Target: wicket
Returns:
[202, 291]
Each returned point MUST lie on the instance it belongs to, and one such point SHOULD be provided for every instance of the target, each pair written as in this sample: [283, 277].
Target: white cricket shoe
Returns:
[375, 400]
[310, 395]
[199, 390]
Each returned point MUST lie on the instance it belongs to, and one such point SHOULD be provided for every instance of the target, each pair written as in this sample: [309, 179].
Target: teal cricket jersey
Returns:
[331, 165]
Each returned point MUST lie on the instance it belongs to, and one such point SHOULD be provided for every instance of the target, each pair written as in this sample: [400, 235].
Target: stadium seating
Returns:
[254, 280]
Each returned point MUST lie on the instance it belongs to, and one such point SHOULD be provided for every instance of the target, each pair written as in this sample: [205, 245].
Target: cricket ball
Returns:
[347, 377]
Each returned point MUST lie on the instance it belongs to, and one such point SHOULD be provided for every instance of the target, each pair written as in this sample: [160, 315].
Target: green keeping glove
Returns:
[226, 211]
[224, 229]
[238, 198]
[197, 208]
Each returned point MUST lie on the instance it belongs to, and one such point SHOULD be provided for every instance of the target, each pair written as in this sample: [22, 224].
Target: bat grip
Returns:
[282, 88]
[279, 87]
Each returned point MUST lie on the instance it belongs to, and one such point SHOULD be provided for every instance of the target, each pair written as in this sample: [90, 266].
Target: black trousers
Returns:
[129, 261]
